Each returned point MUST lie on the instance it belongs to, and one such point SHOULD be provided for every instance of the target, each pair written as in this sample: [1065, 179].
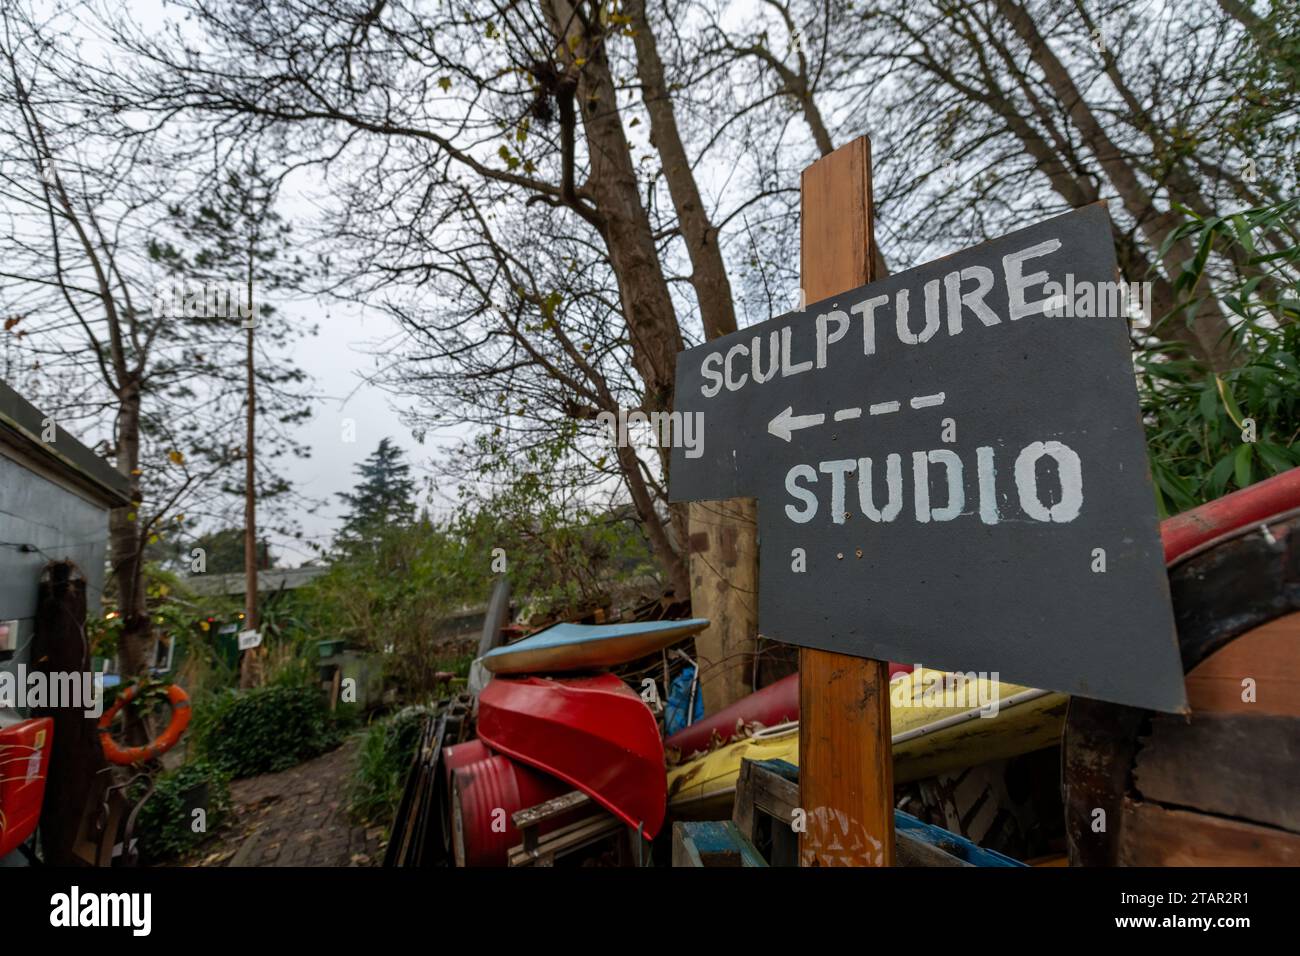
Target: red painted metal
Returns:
[460, 755]
[594, 733]
[1189, 530]
[771, 705]
[485, 795]
[24, 761]
[452, 759]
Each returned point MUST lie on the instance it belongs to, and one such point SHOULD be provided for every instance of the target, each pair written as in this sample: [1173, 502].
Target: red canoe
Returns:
[774, 704]
[1196, 528]
[594, 733]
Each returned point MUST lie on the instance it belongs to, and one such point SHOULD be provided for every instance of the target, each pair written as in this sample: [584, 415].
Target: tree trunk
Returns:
[1243, 14]
[643, 290]
[1175, 176]
[724, 589]
[708, 273]
[665, 548]
[796, 86]
[1211, 327]
[653, 331]
[723, 536]
[73, 781]
[126, 547]
[1055, 158]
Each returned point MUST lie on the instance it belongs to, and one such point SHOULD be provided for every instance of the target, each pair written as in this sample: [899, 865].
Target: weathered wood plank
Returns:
[531, 816]
[760, 790]
[723, 556]
[566, 840]
[1155, 836]
[1221, 597]
[1228, 764]
[915, 852]
[846, 756]
[763, 790]
[713, 844]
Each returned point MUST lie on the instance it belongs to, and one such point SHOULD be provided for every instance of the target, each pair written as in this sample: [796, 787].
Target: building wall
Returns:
[62, 525]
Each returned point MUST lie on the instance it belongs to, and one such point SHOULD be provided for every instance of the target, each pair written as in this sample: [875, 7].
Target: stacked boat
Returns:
[940, 721]
[552, 720]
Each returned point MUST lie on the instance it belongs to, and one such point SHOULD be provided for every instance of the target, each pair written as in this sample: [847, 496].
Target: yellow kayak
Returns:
[943, 721]
[940, 722]
[706, 784]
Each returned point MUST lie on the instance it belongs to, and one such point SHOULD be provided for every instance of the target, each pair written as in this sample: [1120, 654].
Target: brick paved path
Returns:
[298, 817]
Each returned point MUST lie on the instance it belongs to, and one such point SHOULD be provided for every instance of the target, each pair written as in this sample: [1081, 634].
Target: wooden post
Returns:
[724, 589]
[846, 761]
[74, 786]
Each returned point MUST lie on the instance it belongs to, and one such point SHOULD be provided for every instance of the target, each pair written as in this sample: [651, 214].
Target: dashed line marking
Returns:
[927, 401]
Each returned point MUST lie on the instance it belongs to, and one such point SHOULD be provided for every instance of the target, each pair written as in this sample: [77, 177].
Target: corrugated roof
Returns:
[272, 579]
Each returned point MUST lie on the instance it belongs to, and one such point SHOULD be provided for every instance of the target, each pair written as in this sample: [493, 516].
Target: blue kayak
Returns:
[579, 647]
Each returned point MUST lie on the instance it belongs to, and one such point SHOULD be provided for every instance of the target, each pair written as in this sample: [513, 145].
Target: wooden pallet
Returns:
[593, 825]
[767, 802]
[713, 843]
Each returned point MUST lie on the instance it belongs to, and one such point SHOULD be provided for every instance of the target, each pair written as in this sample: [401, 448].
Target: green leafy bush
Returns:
[381, 770]
[167, 825]
[264, 730]
[1207, 433]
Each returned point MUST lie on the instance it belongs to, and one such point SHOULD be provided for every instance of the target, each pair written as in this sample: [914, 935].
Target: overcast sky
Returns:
[339, 361]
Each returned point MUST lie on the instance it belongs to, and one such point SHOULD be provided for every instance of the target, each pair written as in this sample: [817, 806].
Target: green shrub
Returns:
[264, 730]
[167, 823]
[1207, 433]
[381, 770]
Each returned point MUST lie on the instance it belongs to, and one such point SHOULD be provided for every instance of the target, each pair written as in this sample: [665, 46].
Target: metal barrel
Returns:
[453, 758]
[485, 794]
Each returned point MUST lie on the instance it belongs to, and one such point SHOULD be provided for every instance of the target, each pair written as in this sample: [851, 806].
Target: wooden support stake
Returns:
[724, 589]
[846, 775]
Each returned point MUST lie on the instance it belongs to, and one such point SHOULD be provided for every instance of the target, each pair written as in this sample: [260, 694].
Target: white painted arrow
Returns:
[787, 422]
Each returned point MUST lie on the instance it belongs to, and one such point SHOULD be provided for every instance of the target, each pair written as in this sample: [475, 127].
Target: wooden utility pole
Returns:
[250, 669]
[846, 761]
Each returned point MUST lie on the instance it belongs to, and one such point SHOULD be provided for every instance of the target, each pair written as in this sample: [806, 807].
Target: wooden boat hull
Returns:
[581, 647]
[594, 733]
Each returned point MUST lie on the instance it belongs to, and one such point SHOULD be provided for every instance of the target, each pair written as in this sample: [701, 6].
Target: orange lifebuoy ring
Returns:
[164, 742]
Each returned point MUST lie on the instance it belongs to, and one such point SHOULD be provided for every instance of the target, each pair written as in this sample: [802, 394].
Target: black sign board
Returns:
[950, 468]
